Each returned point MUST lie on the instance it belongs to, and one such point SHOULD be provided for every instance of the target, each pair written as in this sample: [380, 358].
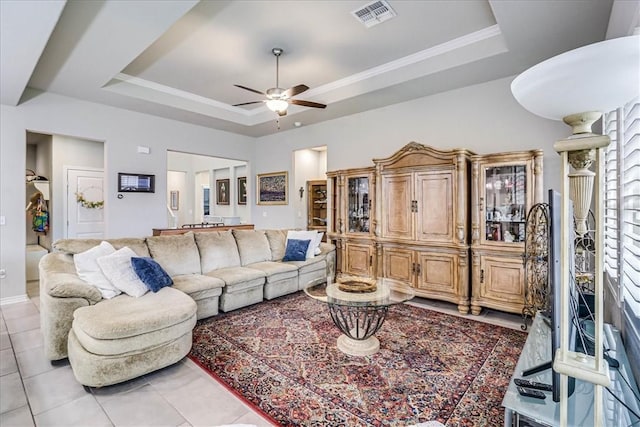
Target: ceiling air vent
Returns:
[374, 13]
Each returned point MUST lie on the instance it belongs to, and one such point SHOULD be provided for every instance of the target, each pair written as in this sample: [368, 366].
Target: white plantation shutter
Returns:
[630, 228]
[622, 205]
[611, 198]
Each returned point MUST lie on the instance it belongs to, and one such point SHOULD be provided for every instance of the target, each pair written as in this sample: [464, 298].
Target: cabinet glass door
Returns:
[358, 205]
[505, 198]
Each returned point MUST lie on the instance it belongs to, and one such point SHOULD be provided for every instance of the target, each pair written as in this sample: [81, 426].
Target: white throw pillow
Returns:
[88, 269]
[318, 241]
[118, 269]
[311, 235]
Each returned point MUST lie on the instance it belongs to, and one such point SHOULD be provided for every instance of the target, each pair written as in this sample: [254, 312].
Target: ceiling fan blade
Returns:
[306, 103]
[247, 103]
[282, 113]
[295, 90]
[249, 89]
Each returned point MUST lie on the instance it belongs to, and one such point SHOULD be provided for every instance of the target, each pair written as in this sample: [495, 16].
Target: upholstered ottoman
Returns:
[125, 337]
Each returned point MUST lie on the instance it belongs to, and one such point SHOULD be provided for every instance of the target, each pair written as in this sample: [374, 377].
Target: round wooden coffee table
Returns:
[359, 315]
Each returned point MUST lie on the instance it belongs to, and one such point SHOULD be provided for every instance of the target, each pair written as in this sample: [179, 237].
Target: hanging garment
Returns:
[40, 215]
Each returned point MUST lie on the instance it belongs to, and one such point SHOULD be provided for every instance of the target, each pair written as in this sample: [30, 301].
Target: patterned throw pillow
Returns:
[296, 250]
[151, 274]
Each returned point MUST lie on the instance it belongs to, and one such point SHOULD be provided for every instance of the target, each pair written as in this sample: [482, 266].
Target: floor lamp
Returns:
[577, 87]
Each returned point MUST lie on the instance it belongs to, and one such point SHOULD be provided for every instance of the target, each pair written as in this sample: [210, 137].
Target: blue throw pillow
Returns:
[296, 250]
[150, 272]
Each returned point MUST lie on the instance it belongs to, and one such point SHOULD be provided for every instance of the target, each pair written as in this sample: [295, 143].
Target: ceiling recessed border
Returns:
[147, 90]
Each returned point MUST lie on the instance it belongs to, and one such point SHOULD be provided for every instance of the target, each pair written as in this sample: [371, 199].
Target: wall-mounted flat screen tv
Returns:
[136, 183]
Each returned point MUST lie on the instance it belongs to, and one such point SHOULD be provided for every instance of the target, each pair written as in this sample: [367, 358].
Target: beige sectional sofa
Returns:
[113, 340]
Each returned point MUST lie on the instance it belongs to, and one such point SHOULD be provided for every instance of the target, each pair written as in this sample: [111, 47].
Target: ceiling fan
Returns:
[278, 99]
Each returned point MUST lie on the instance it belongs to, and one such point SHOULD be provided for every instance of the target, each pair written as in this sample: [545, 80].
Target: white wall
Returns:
[68, 152]
[177, 181]
[484, 118]
[122, 130]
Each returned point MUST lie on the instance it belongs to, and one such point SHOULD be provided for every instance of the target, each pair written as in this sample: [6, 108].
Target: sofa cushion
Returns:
[237, 276]
[88, 269]
[315, 263]
[125, 316]
[134, 324]
[118, 269]
[75, 246]
[177, 254]
[276, 271]
[58, 278]
[151, 273]
[253, 246]
[218, 249]
[277, 242]
[296, 250]
[193, 283]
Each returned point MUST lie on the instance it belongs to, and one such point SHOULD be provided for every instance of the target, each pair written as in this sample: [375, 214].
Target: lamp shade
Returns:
[598, 77]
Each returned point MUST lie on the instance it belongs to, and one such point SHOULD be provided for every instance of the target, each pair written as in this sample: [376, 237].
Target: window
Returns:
[622, 216]
[622, 203]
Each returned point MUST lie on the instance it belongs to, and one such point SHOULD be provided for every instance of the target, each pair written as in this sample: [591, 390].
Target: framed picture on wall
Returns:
[242, 190]
[222, 191]
[272, 188]
[174, 200]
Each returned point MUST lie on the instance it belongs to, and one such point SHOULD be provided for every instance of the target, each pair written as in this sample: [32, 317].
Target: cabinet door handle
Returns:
[481, 207]
[370, 260]
[413, 268]
[418, 268]
[482, 276]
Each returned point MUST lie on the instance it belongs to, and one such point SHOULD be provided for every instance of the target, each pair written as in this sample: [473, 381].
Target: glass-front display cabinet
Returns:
[504, 187]
[350, 220]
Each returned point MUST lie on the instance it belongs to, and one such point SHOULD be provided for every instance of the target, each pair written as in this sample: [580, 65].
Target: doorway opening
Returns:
[61, 200]
[310, 164]
[208, 190]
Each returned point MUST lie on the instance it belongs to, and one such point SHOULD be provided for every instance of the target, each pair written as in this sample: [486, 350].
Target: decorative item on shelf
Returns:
[88, 204]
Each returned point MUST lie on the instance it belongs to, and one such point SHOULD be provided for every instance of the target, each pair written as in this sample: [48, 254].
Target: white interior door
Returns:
[84, 221]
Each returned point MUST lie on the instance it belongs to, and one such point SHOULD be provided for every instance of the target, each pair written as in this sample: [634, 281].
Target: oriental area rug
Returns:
[280, 356]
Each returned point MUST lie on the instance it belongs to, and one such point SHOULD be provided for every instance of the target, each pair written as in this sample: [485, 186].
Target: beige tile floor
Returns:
[33, 391]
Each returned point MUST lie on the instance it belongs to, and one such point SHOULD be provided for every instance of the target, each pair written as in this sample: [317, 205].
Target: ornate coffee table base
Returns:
[358, 324]
[358, 348]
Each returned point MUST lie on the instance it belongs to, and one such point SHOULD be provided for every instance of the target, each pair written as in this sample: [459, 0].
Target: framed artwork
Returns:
[272, 188]
[222, 191]
[174, 200]
[242, 190]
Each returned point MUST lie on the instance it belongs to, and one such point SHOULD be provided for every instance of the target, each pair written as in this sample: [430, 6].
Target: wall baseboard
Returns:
[13, 300]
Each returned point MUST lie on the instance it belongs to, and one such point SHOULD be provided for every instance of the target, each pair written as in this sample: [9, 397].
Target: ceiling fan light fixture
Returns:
[277, 105]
